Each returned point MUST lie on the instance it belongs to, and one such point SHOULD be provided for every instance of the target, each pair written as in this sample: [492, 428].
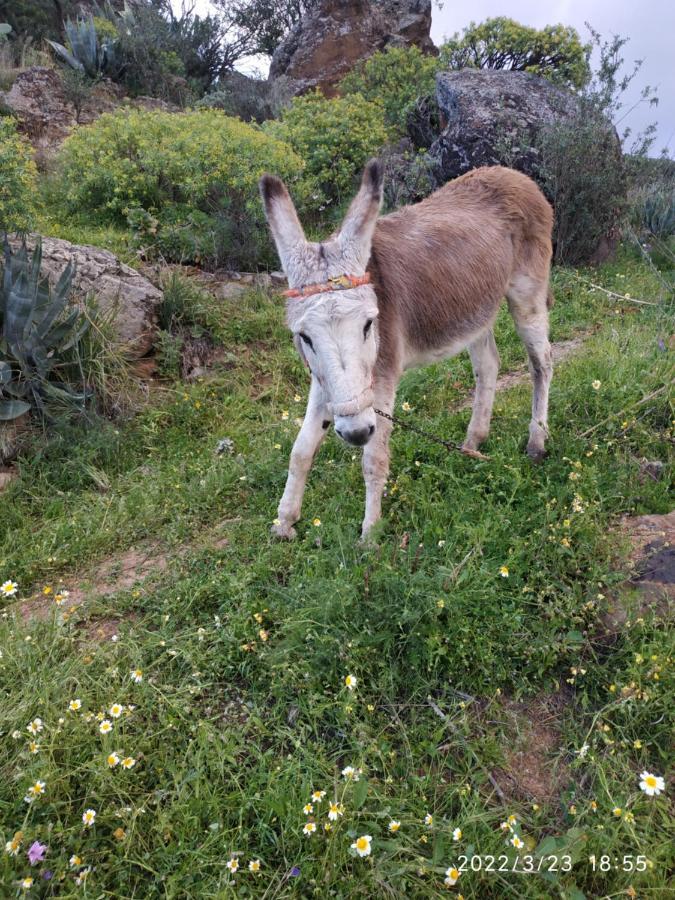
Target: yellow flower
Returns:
[429, 820]
[113, 760]
[258, 617]
[362, 845]
[308, 809]
[128, 762]
[617, 811]
[316, 522]
[74, 705]
[116, 710]
[33, 746]
[27, 883]
[75, 860]
[334, 810]
[351, 774]
[88, 817]
[309, 828]
[405, 406]
[232, 865]
[594, 806]
[254, 865]
[8, 588]
[263, 634]
[504, 571]
[35, 726]
[517, 843]
[137, 676]
[105, 727]
[596, 385]
[47, 589]
[297, 398]
[457, 834]
[652, 785]
[637, 744]
[512, 820]
[119, 834]
[451, 876]
[394, 826]
[317, 796]
[350, 682]
[284, 415]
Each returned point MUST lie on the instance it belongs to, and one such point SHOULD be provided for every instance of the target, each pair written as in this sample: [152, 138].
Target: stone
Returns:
[278, 279]
[330, 39]
[492, 117]
[119, 289]
[7, 476]
[229, 290]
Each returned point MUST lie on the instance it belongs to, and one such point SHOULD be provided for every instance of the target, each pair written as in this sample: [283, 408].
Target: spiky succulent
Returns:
[36, 329]
[86, 52]
[659, 213]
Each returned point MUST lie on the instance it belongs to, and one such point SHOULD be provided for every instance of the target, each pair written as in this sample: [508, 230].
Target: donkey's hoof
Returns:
[284, 532]
[536, 454]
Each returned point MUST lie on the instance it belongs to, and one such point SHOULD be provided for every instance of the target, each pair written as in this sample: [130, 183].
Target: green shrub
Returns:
[17, 179]
[195, 173]
[335, 138]
[395, 78]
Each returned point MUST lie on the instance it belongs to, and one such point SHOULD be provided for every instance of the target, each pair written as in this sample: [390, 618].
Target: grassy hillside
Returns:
[476, 632]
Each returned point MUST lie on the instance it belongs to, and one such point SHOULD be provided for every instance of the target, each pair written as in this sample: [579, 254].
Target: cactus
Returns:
[86, 53]
[35, 330]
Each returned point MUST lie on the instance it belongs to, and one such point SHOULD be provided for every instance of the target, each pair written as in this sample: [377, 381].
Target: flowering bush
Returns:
[196, 173]
[395, 78]
[335, 138]
[17, 179]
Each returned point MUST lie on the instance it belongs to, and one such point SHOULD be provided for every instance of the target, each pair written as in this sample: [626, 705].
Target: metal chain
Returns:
[449, 445]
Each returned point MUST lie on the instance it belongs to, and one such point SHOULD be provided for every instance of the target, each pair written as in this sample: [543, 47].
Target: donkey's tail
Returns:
[550, 299]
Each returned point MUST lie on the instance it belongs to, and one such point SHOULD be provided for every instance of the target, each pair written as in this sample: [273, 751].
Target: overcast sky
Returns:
[650, 25]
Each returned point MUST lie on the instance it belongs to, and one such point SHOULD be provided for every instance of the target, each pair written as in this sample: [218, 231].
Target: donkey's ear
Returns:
[359, 223]
[281, 215]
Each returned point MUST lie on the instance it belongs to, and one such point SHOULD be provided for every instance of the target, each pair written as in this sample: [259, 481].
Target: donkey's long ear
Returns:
[281, 215]
[359, 223]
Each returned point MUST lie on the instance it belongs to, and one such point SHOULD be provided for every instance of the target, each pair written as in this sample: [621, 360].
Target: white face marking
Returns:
[337, 336]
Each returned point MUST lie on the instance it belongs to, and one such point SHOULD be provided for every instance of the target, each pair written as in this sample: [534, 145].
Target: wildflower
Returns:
[35, 726]
[34, 791]
[36, 852]
[629, 817]
[82, 877]
[362, 845]
[8, 588]
[574, 476]
[327, 826]
[594, 806]
[583, 751]
[429, 820]
[27, 883]
[105, 727]
[572, 809]
[33, 746]
[596, 385]
[351, 774]
[504, 571]
[350, 681]
[309, 828]
[88, 817]
[317, 796]
[276, 522]
[116, 710]
[505, 826]
[512, 820]
[74, 705]
[232, 864]
[441, 543]
[517, 843]
[637, 744]
[128, 762]
[297, 398]
[652, 785]
[308, 809]
[617, 811]
[316, 522]
[394, 826]
[254, 865]
[12, 847]
[335, 810]
[137, 676]
[284, 415]
[457, 834]
[61, 597]
[451, 876]
[113, 760]
[75, 860]
[405, 406]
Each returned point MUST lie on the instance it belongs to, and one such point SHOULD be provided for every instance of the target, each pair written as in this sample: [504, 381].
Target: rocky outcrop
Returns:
[493, 117]
[331, 39]
[130, 299]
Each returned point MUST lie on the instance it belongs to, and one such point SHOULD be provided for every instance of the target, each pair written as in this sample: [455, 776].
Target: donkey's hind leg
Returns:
[485, 363]
[528, 305]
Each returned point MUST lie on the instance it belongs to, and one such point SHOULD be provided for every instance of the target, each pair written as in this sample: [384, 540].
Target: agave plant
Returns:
[35, 330]
[5, 29]
[659, 214]
[86, 53]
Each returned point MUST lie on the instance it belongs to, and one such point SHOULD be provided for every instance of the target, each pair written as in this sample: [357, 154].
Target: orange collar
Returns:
[337, 283]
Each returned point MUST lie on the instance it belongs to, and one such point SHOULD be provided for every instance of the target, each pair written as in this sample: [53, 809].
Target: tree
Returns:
[262, 24]
[555, 52]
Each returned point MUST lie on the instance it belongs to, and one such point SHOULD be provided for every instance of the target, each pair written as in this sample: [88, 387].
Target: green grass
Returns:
[232, 729]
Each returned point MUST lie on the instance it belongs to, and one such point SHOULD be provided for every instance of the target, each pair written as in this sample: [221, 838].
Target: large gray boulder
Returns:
[493, 117]
[329, 41]
[121, 292]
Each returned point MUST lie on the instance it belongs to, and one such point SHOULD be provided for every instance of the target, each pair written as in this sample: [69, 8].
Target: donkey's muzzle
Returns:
[357, 437]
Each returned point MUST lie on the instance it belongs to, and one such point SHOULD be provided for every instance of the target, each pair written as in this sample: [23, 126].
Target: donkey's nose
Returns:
[356, 436]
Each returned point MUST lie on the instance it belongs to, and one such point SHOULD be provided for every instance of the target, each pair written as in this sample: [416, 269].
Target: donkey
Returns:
[382, 295]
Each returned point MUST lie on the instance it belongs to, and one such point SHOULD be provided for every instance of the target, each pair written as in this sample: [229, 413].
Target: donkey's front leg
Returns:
[376, 457]
[306, 444]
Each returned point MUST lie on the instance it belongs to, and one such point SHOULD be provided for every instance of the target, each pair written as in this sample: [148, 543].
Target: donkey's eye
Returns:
[366, 328]
[303, 337]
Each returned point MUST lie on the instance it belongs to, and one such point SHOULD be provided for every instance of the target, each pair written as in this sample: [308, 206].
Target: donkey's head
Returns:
[335, 331]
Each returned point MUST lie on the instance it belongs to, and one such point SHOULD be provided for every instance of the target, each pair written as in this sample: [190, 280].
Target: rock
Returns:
[7, 476]
[492, 117]
[117, 287]
[229, 290]
[278, 279]
[337, 34]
